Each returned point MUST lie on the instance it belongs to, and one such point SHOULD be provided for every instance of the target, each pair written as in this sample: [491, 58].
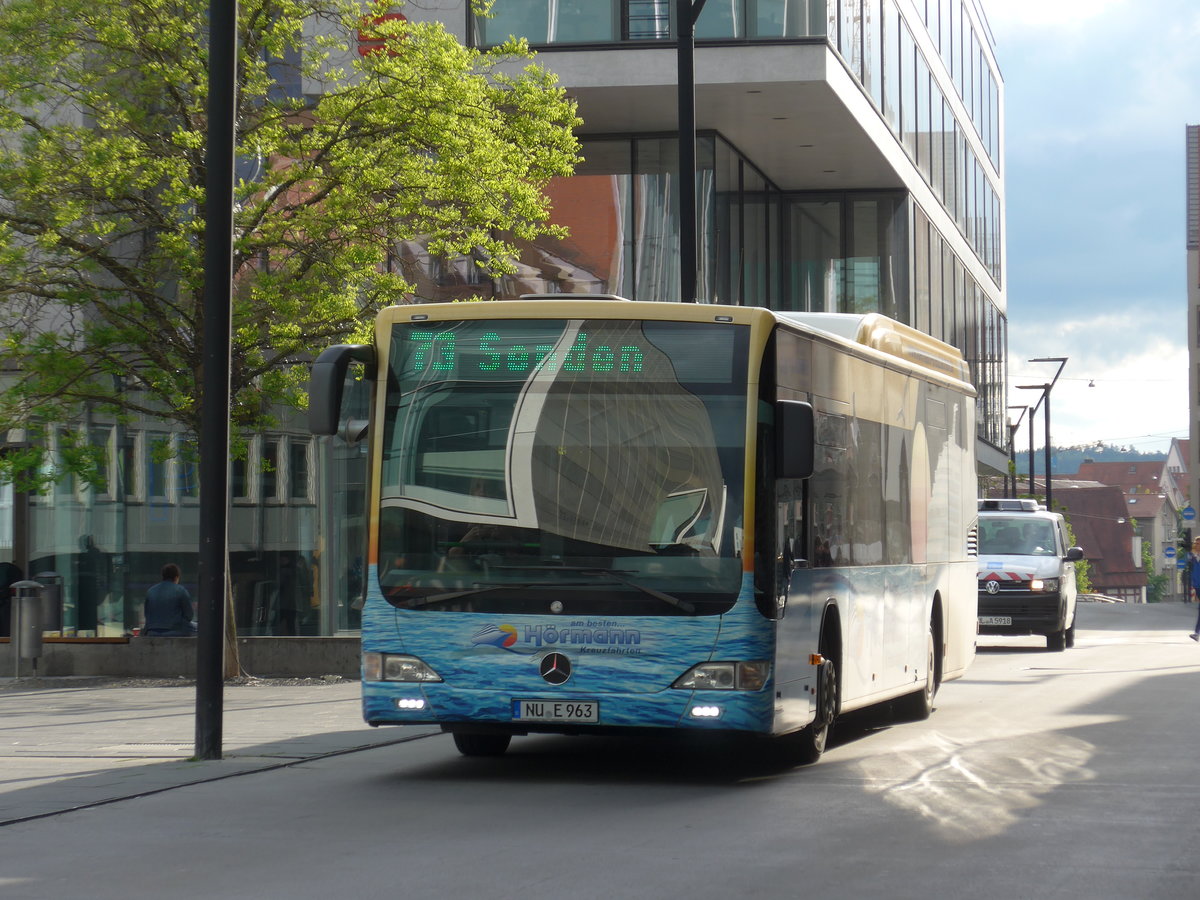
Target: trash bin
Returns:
[52, 600]
[27, 620]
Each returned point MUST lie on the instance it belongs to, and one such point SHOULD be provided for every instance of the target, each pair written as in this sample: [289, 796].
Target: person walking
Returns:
[1194, 578]
[168, 607]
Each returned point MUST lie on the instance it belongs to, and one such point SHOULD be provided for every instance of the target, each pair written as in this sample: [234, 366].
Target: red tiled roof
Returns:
[1100, 520]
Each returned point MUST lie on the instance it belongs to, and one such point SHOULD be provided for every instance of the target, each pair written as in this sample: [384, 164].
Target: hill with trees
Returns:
[1067, 460]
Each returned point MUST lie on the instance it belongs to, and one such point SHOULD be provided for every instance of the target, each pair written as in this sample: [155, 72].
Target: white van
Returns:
[1026, 572]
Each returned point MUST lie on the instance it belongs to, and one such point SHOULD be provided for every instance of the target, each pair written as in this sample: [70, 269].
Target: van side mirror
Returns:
[795, 438]
[1074, 554]
[325, 382]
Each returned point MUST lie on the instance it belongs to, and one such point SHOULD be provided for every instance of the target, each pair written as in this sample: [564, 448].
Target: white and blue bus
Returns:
[591, 515]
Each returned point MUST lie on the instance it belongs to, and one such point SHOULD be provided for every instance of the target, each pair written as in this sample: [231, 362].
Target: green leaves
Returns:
[351, 168]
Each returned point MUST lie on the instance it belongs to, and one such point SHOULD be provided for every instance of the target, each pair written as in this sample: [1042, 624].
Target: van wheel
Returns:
[477, 744]
[1070, 636]
[918, 706]
[1057, 640]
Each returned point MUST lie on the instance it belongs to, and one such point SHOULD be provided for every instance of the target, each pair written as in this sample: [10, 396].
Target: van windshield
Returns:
[1015, 536]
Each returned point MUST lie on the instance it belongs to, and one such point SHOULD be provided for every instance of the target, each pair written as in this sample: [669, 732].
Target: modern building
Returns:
[849, 158]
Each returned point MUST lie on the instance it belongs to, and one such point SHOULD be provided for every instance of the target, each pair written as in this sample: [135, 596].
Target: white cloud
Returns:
[1125, 382]
[1005, 15]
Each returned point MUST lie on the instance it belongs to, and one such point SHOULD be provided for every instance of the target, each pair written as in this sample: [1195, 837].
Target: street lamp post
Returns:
[686, 14]
[1045, 398]
[1012, 450]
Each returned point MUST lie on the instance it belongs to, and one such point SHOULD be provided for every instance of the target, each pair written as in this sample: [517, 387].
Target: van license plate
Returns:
[556, 711]
[995, 620]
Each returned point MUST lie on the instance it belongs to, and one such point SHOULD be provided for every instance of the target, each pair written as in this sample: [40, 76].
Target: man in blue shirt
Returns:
[168, 607]
[1194, 578]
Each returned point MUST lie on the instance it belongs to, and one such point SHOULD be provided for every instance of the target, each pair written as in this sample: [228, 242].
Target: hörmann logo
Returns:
[594, 637]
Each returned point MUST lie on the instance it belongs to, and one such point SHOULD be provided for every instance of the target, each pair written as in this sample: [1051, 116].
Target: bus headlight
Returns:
[393, 667]
[746, 675]
[1046, 585]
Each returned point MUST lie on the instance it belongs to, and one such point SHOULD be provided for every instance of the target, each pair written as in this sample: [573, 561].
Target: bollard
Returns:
[26, 624]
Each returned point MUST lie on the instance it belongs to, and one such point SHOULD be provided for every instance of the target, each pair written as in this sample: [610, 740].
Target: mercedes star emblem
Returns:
[555, 668]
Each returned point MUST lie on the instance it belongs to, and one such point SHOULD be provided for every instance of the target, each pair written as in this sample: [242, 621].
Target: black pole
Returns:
[1012, 460]
[686, 13]
[214, 404]
[1032, 489]
[1049, 474]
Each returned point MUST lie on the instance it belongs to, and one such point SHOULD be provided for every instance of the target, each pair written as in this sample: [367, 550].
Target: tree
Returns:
[102, 173]
[1157, 583]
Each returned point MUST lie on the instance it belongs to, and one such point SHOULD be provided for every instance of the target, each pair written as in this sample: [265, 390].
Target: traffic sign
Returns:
[1189, 513]
[1169, 552]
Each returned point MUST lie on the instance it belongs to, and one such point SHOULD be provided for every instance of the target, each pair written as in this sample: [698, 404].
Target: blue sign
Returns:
[1181, 564]
[1189, 513]
[1169, 552]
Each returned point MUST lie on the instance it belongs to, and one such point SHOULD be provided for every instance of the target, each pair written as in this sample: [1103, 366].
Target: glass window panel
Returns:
[649, 20]
[923, 115]
[127, 465]
[937, 142]
[850, 35]
[864, 258]
[920, 317]
[656, 220]
[100, 438]
[789, 18]
[158, 449]
[938, 285]
[709, 156]
[721, 19]
[551, 21]
[873, 51]
[891, 65]
[816, 251]
[270, 469]
[299, 480]
[239, 477]
[594, 206]
[187, 468]
[756, 256]
[908, 90]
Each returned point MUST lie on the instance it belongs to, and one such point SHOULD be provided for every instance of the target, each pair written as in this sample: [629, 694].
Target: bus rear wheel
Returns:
[477, 744]
[918, 706]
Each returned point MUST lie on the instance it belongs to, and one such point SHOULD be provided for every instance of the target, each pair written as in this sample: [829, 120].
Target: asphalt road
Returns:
[1040, 775]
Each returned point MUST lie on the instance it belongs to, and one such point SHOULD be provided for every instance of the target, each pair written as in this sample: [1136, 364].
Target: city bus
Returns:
[590, 515]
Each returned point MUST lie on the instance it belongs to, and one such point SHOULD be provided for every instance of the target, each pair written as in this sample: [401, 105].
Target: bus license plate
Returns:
[556, 710]
[995, 620]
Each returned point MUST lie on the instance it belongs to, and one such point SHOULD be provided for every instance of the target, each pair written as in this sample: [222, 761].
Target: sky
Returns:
[1097, 97]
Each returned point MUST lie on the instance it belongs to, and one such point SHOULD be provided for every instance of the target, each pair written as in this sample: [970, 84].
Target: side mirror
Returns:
[325, 382]
[1074, 554]
[795, 438]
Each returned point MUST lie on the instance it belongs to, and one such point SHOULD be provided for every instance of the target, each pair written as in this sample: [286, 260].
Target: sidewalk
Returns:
[67, 743]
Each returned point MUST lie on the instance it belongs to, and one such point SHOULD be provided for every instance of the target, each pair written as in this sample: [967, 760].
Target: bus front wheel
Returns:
[811, 740]
[477, 744]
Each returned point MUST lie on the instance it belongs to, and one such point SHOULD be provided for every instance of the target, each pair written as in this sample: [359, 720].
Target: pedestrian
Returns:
[1194, 578]
[168, 607]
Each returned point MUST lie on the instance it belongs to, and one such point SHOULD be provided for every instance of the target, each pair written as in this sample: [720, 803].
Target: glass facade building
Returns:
[849, 159]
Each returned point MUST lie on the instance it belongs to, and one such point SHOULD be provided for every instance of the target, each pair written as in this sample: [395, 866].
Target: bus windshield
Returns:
[581, 467]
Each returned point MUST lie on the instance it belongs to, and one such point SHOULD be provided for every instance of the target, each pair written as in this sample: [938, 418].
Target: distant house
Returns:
[1100, 520]
[1153, 498]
